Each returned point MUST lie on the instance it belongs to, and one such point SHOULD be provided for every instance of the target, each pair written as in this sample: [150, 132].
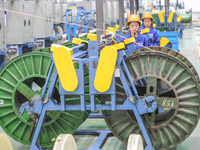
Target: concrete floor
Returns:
[188, 47]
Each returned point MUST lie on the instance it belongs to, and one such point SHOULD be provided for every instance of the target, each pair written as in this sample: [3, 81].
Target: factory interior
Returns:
[99, 74]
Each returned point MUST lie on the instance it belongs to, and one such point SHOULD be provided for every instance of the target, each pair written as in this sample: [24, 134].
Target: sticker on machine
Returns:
[1, 101]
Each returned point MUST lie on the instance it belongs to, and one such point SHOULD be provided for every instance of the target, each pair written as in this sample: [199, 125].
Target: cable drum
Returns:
[176, 89]
[23, 79]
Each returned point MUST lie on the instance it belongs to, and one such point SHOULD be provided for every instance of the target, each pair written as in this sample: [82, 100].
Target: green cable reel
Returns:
[23, 79]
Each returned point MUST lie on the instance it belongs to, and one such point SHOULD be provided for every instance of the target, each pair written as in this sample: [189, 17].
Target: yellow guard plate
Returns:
[171, 15]
[161, 17]
[146, 30]
[105, 69]
[163, 41]
[65, 67]
[178, 18]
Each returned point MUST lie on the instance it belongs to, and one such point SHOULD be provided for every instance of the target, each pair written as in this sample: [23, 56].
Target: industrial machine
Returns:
[52, 91]
[30, 90]
[171, 24]
[78, 22]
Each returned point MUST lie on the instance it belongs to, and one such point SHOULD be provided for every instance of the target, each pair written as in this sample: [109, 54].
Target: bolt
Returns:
[149, 104]
[131, 99]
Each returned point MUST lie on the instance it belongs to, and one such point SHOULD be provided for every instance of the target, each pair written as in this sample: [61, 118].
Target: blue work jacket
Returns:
[153, 36]
[141, 39]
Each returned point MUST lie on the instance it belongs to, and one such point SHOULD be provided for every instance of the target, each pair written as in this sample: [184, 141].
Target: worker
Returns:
[134, 24]
[153, 36]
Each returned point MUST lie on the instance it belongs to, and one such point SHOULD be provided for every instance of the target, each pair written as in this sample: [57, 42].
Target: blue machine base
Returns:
[103, 135]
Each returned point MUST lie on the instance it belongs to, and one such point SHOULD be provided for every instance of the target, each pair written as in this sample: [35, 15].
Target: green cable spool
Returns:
[21, 80]
[154, 15]
[186, 18]
[172, 78]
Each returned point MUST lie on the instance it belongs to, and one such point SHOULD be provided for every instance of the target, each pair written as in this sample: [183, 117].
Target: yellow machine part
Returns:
[78, 41]
[112, 30]
[92, 37]
[105, 69]
[171, 15]
[119, 46]
[146, 30]
[117, 26]
[65, 66]
[161, 16]
[178, 18]
[130, 40]
[163, 41]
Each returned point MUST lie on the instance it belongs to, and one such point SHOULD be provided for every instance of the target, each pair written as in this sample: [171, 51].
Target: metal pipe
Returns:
[166, 6]
[79, 46]
[104, 44]
[121, 14]
[100, 16]
[137, 5]
[132, 7]
[160, 4]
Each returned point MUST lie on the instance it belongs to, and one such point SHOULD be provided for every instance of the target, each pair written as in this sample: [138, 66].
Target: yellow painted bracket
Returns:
[92, 37]
[119, 46]
[161, 16]
[78, 41]
[171, 15]
[105, 69]
[178, 18]
[146, 30]
[130, 40]
[65, 66]
[163, 41]
[112, 30]
[117, 26]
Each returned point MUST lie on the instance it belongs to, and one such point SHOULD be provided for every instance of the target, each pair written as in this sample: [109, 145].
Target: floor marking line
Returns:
[196, 36]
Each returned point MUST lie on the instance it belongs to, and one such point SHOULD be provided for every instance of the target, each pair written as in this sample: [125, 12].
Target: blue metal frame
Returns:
[103, 135]
[2, 61]
[81, 17]
[133, 102]
[172, 36]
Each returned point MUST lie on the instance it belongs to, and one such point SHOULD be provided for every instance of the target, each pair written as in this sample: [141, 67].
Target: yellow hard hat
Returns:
[147, 15]
[133, 18]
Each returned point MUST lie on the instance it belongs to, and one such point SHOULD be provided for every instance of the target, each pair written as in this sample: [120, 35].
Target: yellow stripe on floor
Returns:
[197, 40]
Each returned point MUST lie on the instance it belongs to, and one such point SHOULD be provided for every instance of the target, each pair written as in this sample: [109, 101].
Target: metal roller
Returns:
[21, 80]
[174, 82]
[186, 18]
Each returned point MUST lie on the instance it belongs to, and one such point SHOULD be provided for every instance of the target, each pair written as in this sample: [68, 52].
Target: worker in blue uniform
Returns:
[153, 36]
[134, 25]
